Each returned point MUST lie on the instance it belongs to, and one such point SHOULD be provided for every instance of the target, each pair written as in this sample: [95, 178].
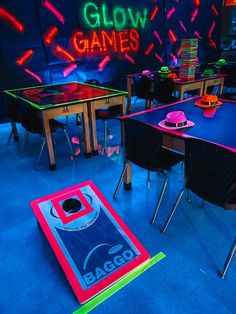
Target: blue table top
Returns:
[220, 128]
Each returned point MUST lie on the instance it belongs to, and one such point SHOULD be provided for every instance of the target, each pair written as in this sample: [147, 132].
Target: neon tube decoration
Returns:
[48, 5]
[182, 26]
[35, 76]
[69, 69]
[149, 49]
[25, 57]
[194, 15]
[156, 34]
[154, 13]
[170, 13]
[65, 55]
[104, 63]
[50, 35]
[213, 8]
[196, 33]
[11, 20]
[158, 57]
[211, 29]
[128, 57]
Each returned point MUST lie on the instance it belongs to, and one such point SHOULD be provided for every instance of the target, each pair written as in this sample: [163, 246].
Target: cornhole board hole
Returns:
[92, 244]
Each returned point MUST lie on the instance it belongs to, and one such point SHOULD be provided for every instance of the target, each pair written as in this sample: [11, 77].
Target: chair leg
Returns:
[120, 180]
[43, 142]
[173, 210]
[228, 260]
[68, 141]
[25, 139]
[13, 132]
[160, 198]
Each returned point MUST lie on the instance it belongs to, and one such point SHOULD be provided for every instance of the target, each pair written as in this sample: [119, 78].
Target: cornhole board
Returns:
[91, 242]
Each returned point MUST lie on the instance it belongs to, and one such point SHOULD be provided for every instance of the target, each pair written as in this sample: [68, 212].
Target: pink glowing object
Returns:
[35, 76]
[211, 29]
[48, 5]
[128, 57]
[194, 15]
[170, 13]
[154, 13]
[149, 49]
[175, 60]
[104, 63]
[158, 57]
[69, 69]
[182, 26]
[156, 34]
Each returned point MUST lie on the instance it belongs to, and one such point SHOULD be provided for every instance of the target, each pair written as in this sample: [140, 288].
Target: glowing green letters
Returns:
[96, 17]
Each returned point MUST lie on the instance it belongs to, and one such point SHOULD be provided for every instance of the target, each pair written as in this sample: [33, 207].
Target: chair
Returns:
[143, 147]
[164, 89]
[33, 124]
[15, 117]
[105, 113]
[144, 88]
[210, 173]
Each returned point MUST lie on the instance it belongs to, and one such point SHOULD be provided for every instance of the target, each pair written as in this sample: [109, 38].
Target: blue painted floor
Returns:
[196, 243]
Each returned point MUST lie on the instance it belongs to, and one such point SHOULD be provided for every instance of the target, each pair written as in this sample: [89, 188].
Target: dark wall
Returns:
[50, 41]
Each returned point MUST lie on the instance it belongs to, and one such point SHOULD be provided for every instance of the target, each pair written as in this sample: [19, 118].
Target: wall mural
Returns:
[50, 41]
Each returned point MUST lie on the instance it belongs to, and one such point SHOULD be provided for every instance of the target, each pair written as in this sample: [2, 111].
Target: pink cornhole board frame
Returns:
[93, 245]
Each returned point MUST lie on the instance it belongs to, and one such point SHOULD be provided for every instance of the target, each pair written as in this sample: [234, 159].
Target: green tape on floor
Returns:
[90, 305]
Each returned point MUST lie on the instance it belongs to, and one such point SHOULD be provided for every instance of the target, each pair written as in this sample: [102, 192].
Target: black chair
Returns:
[106, 113]
[210, 173]
[143, 147]
[33, 124]
[164, 88]
[144, 88]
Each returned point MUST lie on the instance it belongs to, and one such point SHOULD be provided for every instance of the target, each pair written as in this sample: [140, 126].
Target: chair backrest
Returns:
[144, 86]
[210, 172]
[164, 88]
[143, 144]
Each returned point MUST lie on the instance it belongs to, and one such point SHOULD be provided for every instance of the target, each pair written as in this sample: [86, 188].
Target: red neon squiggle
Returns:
[63, 53]
[154, 13]
[104, 63]
[211, 29]
[35, 76]
[198, 35]
[50, 34]
[46, 4]
[128, 57]
[212, 43]
[158, 37]
[179, 51]
[197, 2]
[194, 15]
[149, 49]
[174, 58]
[182, 26]
[170, 13]
[8, 17]
[69, 69]
[214, 10]
[25, 57]
[158, 57]
[172, 36]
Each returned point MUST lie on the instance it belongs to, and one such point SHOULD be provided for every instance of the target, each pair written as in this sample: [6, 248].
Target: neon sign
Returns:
[123, 41]
[96, 17]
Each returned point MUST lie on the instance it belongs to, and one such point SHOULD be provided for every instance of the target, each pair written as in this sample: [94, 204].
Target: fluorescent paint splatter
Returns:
[104, 63]
[69, 69]
[65, 55]
[35, 76]
[11, 20]
[194, 15]
[128, 57]
[50, 34]
[211, 29]
[48, 5]
[197, 2]
[182, 26]
[212, 43]
[174, 58]
[214, 10]
[158, 57]
[154, 13]
[170, 13]
[25, 57]
[172, 36]
[149, 49]
[158, 37]
[197, 35]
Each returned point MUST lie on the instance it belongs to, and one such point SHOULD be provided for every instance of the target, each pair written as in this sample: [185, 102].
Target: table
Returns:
[65, 99]
[218, 127]
[182, 85]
